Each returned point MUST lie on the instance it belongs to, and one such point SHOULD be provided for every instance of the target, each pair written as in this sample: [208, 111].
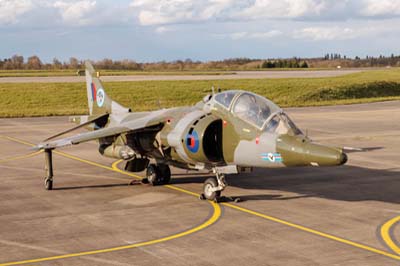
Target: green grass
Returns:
[43, 99]
[60, 73]
[36, 73]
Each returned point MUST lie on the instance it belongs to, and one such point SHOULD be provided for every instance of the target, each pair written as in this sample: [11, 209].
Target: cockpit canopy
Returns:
[256, 110]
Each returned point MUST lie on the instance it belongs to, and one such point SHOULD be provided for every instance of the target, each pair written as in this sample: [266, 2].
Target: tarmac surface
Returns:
[237, 75]
[347, 215]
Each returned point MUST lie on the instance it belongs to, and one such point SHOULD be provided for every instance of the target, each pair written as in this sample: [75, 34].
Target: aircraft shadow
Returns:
[346, 183]
[91, 186]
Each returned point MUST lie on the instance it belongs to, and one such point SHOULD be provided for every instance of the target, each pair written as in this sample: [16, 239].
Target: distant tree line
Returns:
[285, 63]
[18, 62]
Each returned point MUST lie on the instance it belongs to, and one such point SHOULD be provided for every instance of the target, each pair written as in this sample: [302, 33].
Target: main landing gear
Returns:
[158, 174]
[48, 180]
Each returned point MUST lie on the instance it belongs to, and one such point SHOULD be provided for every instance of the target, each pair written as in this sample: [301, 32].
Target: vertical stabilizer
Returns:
[98, 100]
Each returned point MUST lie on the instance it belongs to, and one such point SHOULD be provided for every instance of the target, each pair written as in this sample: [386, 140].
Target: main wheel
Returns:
[48, 183]
[153, 175]
[208, 192]
[165, 173]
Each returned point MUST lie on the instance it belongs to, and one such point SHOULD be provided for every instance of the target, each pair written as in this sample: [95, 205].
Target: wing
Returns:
[131, 126]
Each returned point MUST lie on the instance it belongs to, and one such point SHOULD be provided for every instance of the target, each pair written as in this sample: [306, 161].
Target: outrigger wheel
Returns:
[48, 183]
[158, 174]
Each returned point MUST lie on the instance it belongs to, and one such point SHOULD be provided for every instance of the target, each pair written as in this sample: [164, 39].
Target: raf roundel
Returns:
[100, 97]
[192, 141]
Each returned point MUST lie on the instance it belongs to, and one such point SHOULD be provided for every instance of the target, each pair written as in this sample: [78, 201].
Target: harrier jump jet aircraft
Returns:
[226, 133]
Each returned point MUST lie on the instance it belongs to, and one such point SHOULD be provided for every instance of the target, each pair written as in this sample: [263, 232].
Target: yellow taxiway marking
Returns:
[18, 140]
[215, 216]
[264, 216]
[386, 236]
[277, 220]
[315, 232]
[210, 221]
[20, 156]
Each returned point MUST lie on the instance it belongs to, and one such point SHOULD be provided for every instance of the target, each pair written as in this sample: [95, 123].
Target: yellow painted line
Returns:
[385, 234]
[21, 156]
[214, 218]
[315, 232]
[210, 221]
[267, 217]
[293, 225]
[19, 141]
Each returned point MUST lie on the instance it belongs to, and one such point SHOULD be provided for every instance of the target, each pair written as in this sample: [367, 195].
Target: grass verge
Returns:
[61, 73]
[46, 99]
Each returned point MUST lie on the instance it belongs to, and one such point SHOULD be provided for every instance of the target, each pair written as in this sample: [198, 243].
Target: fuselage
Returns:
[229, 128]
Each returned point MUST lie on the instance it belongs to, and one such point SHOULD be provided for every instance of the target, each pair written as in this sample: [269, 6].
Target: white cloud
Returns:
[284, 9]
[162, 12]
[381, 8]
[152, 12]
[254, 35]
[163, 29]
[76, 12]
[167, 12]
[10, 10]
[325, 33]
[336, 33]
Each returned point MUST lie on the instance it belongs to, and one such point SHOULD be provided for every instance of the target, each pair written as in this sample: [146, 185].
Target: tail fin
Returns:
[98, 100]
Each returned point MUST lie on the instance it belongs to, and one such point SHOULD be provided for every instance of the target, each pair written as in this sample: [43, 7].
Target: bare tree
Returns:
[73, 63]
[17, 61]
[34, 62]
[57, 63]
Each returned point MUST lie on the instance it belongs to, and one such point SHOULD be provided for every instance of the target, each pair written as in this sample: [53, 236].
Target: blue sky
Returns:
[150, 30]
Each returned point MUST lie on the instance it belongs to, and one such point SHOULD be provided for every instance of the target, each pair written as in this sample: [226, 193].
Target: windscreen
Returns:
[281, 124]
[225, 98]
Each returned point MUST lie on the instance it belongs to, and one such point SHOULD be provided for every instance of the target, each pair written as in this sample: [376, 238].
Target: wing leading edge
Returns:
[138, 124]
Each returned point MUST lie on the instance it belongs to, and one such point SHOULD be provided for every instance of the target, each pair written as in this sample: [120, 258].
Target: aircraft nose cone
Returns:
[297, 151]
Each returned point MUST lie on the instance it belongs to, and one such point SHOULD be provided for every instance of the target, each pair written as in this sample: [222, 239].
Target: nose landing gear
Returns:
[213, 187]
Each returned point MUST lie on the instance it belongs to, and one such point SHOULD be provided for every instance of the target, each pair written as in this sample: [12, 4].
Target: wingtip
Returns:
[36, 148]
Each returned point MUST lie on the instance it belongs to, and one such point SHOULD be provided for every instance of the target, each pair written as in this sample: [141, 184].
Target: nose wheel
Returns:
[210, 190]
[213, 187]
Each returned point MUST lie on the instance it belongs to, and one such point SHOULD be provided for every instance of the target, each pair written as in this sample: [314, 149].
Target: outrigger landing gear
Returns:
[158, 174]
[48, 180]
[213, 187]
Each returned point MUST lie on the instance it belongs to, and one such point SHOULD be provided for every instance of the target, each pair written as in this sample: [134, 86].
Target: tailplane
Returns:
[98, 100]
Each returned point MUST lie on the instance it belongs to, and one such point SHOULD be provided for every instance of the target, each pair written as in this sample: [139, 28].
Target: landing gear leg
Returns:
[48, 180]
[213, 187]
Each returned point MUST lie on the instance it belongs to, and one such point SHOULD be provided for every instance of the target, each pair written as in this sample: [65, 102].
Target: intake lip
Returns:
[343, 158]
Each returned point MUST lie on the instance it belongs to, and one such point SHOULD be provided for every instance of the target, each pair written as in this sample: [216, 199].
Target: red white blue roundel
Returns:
[100, 97]
[192, 142]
